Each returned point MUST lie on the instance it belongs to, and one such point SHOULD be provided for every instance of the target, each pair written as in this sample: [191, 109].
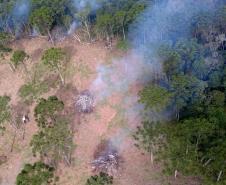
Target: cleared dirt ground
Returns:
[106, 122]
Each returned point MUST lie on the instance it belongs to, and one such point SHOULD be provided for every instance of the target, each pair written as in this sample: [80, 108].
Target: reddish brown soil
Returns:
[106, 122]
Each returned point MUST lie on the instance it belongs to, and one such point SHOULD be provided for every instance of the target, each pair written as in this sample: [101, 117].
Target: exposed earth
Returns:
[108, 121]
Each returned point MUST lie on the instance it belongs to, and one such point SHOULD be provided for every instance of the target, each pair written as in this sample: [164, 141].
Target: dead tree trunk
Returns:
[219, 176]
[14, 139]
[152, 158]
[87, 30]
[26, 71]
[123, 32]
[207, 162]
[50, 37]
[24, 130]
[61, 76]
[12, 67]
[175, 174]
[76, 37]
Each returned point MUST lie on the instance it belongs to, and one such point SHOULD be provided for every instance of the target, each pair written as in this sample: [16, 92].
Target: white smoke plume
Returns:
[161, 23]
[120, 75]
[164, 22]
[74, 25]
[19, 15]
[82, 4]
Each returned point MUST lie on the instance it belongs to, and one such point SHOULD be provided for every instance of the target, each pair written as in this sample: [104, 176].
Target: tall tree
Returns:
[61, 9]
[5, 113]
[18, 58]
[36, 174]
[54, 143]
[5, 39]
[187, 90]
[47, 111]
[42, 19]
[84, 17]
[155, 97]
[55, 59]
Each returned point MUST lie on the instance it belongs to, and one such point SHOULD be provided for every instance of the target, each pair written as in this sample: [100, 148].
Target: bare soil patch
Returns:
[106, 122]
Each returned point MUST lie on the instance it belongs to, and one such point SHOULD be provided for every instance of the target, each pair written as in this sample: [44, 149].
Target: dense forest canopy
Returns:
[188, 47]
[108, 18]
[192, 88]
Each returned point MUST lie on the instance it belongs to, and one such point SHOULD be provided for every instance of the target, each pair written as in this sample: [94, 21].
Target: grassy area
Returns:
[32, 91]
[83, 70]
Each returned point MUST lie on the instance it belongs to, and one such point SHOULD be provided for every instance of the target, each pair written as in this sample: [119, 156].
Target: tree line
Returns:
[193, 90]
[106, 20]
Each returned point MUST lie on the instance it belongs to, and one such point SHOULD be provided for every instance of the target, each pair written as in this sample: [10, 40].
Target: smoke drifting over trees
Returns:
[184, 42]
[14, 15]
[104, 18]
[82, 4]
[178, 46]
[160, 24]
[176, 52]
